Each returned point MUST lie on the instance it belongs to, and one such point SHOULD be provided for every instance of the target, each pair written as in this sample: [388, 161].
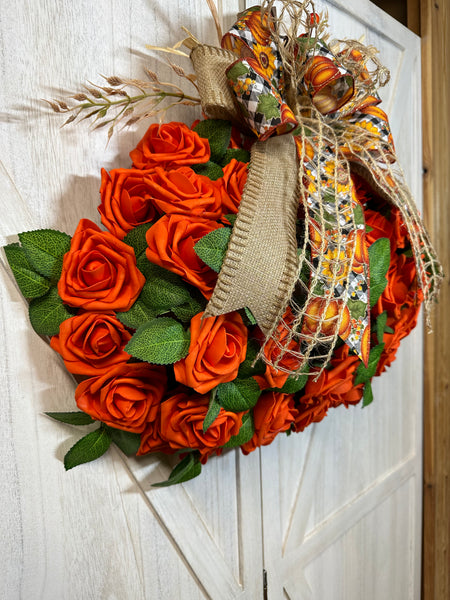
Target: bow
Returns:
[314, 113]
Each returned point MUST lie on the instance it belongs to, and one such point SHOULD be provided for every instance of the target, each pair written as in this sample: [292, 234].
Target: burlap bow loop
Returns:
[299, 192]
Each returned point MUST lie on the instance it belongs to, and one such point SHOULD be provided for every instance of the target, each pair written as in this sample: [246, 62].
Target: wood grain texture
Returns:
[435, 30]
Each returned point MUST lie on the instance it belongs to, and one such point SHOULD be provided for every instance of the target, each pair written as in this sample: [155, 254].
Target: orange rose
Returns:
[126, 201]
[91, 343]
[276, 377]
[99, 272]
[218, 346]
[151, 440]
[333, 387]
[171, 242]
[231, 185]
[126, 397]
[182, 191]
[170, 145]
[181, 426]
[394, 229]
[274, 412]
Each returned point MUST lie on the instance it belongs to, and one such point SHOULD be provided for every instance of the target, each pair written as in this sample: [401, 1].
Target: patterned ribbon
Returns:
[335, 121]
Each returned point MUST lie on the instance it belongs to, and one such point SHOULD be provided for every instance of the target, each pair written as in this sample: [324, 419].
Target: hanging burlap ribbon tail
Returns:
[312, 107]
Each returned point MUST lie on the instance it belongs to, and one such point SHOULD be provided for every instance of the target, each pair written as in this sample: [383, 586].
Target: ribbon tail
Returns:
[260, 268]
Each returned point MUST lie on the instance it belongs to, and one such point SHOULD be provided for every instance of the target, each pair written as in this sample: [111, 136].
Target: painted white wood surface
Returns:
[331, 513]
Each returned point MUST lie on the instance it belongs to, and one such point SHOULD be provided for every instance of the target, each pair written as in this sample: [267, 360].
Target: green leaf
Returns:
[365, 374]
[246, 369]
[162, 341]
[137, 240]
[212, 247]
[294, 385]
[185, 312]
[245, 432]
[185, 470]
[269, 106]
[238, 153]
[31, 284]
[218, 134]
[91, 446]
[381, 324]
[367, 395]
[137, 315]
[210, 169]
[379, 259]
[237, 395]
[127, 441]
[72, 418]
[237, 70]
[213, 411]
[47, 313]
[164, 290]
[45, 249]
[231, 219]
[357, 308]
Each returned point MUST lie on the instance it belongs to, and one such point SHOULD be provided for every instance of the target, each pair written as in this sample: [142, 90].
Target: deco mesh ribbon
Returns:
[313, 109]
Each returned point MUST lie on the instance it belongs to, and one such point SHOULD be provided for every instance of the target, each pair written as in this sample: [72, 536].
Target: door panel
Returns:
[324, 512]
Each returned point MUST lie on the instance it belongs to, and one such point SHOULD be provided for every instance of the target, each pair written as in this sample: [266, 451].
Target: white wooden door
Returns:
[330, 513]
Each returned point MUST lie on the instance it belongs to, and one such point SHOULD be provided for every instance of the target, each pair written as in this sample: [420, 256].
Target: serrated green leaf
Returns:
[187, 311]
[47, 313]
[368, 394]
[238, 395]
[293, 385]
[379, 260]
[212, 247]
[381, 324]
[246, 369]
[245, 432]
[218, 134]
[269, 106]
[90, 447]
[239, 154]
[31, 284]
[365, 374]
[137, 240]
[210, 169]
[213, 411]
[45, 249]
[138, 314]
[185, 470]
[162, 341]
[231, 219]
[72, 418]
[127, 441]
[163, 290]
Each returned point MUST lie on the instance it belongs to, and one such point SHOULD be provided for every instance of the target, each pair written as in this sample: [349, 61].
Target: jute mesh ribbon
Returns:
[299, 298]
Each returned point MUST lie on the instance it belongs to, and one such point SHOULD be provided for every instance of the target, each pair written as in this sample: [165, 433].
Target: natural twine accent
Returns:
[261, 269]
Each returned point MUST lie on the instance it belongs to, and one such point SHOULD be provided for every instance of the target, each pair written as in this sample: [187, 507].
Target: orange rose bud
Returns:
[171, 243]
[91, 343]
[181, 425]
[170, 145]
[218, 346]
[126, 397]
[126, 201]
[99, 272]
[274, 412]
[182, 191]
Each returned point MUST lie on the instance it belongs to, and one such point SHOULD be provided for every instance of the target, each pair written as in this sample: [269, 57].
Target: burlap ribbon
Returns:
[284, 84]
